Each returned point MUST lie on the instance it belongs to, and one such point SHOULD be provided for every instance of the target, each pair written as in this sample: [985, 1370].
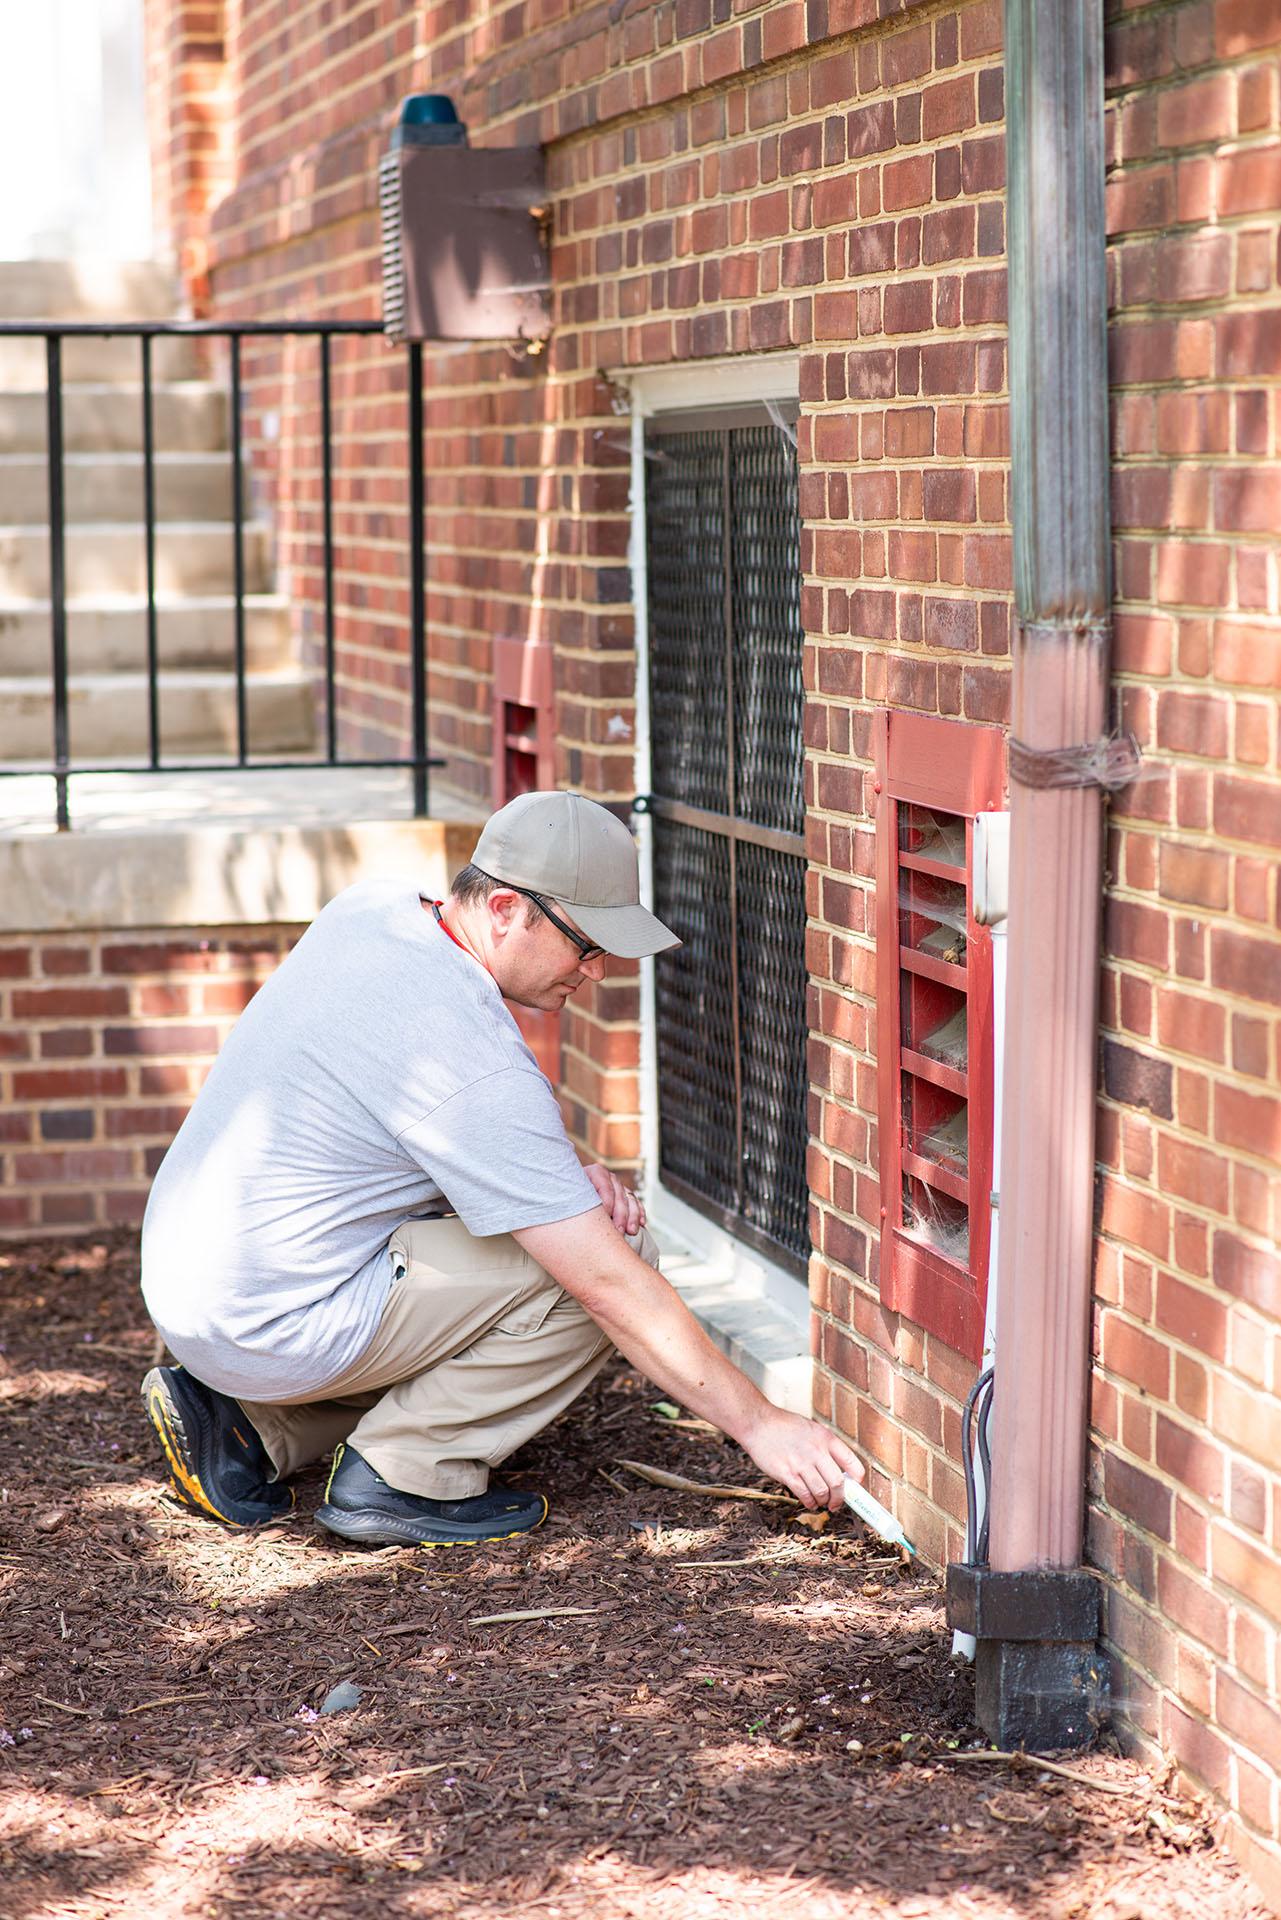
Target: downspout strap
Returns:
[1111, 762]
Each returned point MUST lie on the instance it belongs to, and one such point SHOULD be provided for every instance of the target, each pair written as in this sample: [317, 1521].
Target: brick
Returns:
[1252, 1274]
[67, 1043]
[870, 129]
[1193, 1606]
[1248, 500]
[1196, 1746]
[54, 1003]
[78, 1166]
[1245, 1567]
[1247, 809]
[1248, 345]
[1249, 1121]
[1191, 1459]
[1193, 722]
[1138, 1080]
[1199, 113]
[1248, 1498]
[1247, 1420]
[1246, 965]
[68, 1083]
[1244, 26]
[1130, 1491]
[1136, 1356]
[122, 1123]
[67, 1123]
[948, 107]
[158, 957]
[1247, 655]
[1137, 933]
[1249, 180]
[1190, 1025]
[907, 183]
[62, 960]
[174, 1039]
[909, 306]
[1197, 876]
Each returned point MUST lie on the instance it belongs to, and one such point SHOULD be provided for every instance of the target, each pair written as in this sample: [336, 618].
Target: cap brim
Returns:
[631, 933]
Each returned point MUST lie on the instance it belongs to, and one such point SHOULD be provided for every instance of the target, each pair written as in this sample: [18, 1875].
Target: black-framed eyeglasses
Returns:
[586, 949]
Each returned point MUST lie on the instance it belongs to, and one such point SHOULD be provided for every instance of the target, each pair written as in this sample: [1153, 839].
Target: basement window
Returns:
[934, 1005]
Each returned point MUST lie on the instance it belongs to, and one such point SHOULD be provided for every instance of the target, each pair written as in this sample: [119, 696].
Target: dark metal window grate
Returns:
[726, 704]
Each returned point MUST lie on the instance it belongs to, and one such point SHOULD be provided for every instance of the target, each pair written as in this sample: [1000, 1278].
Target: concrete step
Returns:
[109, 487]
[94, 360]
[112, 638]
[189, 418]
[107, 716]
[191, 557]
[86, 289]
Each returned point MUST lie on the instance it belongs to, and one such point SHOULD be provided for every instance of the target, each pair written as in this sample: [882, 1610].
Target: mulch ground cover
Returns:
[739, 1716]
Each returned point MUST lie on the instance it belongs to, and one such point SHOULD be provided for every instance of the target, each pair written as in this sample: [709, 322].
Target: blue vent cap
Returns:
[429, 120]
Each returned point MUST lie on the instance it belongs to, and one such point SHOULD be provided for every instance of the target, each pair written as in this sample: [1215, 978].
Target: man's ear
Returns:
[505, 907]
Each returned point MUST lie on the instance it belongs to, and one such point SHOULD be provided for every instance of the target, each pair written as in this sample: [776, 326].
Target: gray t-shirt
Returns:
[375, 1076]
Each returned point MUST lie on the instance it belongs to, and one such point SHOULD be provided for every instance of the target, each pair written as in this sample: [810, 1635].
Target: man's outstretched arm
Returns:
[651, 1325]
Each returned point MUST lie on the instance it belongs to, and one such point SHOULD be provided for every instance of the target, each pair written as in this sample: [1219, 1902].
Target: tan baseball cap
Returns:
[579, 857]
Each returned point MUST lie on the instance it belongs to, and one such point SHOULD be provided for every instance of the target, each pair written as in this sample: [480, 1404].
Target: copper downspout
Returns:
[1034, 1611]
[1060, 478]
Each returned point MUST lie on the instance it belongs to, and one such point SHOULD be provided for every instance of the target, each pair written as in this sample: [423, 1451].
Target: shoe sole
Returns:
[368, 1529]
[166, 1417]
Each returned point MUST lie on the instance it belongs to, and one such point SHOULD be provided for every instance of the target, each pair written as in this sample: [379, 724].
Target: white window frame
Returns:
[758, 1311]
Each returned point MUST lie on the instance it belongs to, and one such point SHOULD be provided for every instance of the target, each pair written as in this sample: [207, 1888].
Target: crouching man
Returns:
[372, 1235]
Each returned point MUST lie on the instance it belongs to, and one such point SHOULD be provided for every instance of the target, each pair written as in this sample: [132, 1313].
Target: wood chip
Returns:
[677, 1483]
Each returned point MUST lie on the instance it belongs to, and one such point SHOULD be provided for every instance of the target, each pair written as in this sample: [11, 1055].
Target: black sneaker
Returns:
[361, 1506]
[218, 1464]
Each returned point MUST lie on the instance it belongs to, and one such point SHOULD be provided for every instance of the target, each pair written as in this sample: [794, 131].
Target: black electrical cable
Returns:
[975, 1421]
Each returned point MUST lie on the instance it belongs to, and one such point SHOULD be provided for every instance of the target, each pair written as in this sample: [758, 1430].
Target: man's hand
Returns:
[808, 1459]
[619, 1202]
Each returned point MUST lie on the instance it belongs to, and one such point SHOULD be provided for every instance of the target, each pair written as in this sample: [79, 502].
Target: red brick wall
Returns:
[189, 122]
[1187, 1395]
[105, 1038]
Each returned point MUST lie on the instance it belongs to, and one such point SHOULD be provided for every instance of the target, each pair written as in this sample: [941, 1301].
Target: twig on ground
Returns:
[1027, 1762]
[751, 1560]
[165, 1700]
[411, 1773]
[64, 1706]
[616, 1484]
[528, 1613]
[677, 1483]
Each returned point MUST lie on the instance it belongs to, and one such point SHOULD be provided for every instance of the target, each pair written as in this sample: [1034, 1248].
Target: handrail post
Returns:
[327, 489]
[418, 576]
[238, 552]
[57, 575]
[149, 537]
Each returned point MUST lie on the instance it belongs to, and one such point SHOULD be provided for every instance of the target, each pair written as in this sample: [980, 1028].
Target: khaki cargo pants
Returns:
[478, 1349]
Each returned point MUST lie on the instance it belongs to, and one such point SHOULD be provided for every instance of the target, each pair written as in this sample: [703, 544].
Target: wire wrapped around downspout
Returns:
[1034, 1611]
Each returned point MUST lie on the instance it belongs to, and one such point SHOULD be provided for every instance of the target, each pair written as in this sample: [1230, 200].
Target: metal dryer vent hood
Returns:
[464, 253]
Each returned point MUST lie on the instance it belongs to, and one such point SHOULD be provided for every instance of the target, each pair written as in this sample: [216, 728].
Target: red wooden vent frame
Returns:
[933, 989]
[524, 713]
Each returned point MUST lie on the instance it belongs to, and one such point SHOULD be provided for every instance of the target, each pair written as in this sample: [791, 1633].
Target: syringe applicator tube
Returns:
[879, 1518]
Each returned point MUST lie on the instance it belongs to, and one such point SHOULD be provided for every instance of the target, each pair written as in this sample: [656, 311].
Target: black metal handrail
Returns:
[146, 332]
